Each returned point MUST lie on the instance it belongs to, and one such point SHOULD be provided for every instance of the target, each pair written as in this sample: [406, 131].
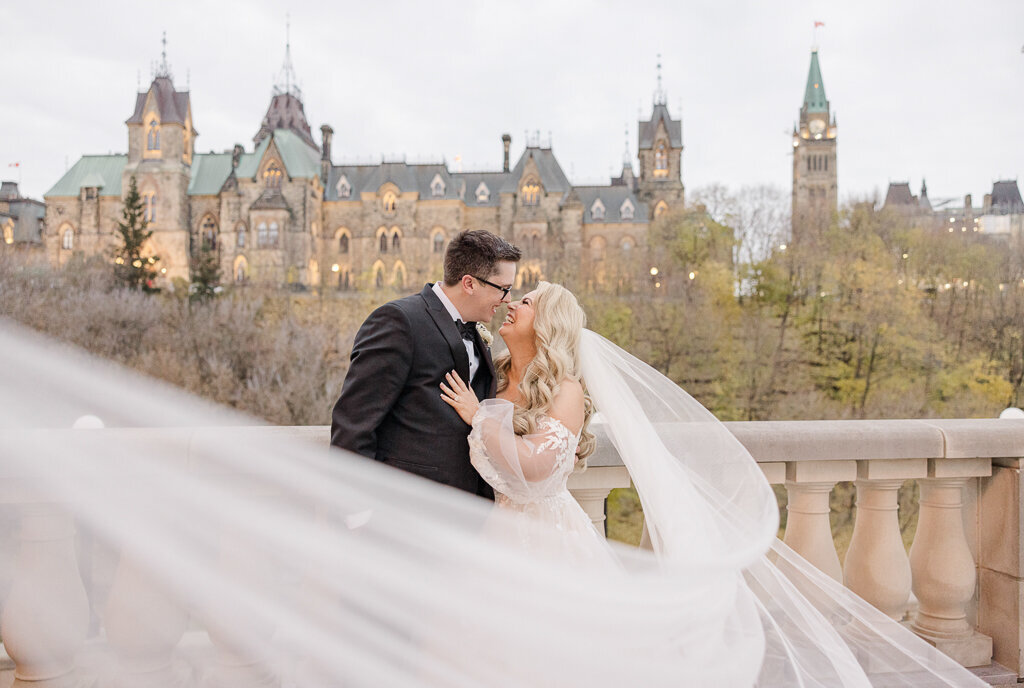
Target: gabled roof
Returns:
[899, 194]
[103, 171]
[814, 93]
[172, 106]
[300, 161]
[611, 198]
[649, 128]
[1006, 198]
[552, 178]
[286, 112]
[209, 172]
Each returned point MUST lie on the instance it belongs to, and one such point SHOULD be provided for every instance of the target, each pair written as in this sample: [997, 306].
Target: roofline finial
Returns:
[164, 69]
[287, 83]
[659, 95]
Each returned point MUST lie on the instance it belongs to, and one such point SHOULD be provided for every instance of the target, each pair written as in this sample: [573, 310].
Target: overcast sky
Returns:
[921, 89]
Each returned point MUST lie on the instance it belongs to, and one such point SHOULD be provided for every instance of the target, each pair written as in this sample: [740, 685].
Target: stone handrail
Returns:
[965, 568]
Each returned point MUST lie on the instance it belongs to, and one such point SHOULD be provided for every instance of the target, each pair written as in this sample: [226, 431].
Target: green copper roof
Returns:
[209, 170]
[814, 96]
[300, 160]
[103, 171]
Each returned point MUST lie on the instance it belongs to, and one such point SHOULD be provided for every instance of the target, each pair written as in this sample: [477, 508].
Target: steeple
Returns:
[659, 95]
[286, 110]
[163, 70]
[814, 94]
[287, 83]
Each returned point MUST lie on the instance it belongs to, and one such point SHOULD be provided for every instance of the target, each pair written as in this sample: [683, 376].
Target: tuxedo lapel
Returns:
[446, 326]
[485, 355]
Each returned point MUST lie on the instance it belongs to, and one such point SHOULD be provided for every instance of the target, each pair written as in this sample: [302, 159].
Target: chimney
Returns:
[967, 202]
[506, 141]
[325, 159]
[988, 202]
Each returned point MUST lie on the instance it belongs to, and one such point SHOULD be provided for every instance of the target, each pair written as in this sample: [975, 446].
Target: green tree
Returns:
[205, 272]
[131, 268]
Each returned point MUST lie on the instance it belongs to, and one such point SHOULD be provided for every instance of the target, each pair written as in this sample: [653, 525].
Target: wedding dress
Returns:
[529, 475]
[713, 520]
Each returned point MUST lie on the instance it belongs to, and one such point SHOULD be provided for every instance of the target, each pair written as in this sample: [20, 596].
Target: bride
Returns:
[710, 512]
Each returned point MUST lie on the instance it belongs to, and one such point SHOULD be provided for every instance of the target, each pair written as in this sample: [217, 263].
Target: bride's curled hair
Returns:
[558, 322]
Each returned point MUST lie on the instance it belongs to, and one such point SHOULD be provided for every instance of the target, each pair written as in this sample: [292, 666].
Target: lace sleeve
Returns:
[523, 468]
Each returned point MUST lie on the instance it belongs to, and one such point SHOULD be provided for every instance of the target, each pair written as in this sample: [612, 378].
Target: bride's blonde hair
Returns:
[558, 323]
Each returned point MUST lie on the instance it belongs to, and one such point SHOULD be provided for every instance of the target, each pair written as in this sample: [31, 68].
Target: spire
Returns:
[626, 160]
[164, 70]
[659, 95]
[814, 95]
[287, 83]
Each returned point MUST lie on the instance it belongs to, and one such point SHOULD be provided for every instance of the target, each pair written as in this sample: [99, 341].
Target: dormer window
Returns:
[627, 209]
[344, 188]
[530, 193]
[483, 194]
[390, 202]
[153, 134]
[437, 186]
[597, 210]
[272, 176]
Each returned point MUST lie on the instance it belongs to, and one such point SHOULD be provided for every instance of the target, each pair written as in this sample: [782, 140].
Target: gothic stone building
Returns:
[815, 178]
[285, 214]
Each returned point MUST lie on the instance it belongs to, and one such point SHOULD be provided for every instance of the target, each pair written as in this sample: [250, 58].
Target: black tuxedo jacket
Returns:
[390, 407]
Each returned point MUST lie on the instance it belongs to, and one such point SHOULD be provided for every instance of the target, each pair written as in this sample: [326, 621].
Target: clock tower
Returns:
[815, 190]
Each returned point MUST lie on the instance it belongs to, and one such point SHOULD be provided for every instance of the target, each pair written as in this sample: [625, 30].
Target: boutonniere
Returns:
[485, 334]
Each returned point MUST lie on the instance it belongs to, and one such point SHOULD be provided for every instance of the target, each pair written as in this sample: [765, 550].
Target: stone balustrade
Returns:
[965, 569]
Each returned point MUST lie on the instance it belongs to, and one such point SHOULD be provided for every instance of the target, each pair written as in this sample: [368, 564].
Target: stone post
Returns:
[808, 529]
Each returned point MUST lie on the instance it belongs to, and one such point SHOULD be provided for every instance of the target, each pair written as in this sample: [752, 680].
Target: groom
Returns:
[390, 407]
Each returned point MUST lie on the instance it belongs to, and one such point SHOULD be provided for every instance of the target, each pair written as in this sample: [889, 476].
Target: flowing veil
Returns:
[149, 538]
[709, 509]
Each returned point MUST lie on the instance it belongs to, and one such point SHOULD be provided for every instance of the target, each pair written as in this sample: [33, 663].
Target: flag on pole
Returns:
[818, 23]
[15, 164]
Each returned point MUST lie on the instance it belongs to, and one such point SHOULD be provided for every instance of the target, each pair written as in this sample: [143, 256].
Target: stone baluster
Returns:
[591, 489]
[808, 529]
[46, 614]
[242, 640]
[877, 567]
[143, 626]
[942, 564]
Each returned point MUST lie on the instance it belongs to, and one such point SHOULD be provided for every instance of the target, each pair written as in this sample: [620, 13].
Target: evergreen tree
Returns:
[205, 271]
[131, 268]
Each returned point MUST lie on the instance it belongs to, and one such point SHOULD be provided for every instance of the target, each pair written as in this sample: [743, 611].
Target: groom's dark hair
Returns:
[476, 252]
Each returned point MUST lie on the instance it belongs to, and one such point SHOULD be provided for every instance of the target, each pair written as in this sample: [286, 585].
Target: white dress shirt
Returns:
[474, 359]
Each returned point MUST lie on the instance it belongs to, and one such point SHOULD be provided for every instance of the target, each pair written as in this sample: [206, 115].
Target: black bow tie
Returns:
[467, 329]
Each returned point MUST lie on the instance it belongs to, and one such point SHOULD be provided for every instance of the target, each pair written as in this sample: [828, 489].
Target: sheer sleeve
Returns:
[523, 468]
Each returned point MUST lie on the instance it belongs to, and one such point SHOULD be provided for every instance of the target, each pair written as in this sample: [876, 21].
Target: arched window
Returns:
[240, 230]
[149, 206]
[67, 239]
[530, 192]
[378, 279]
[208, 232]
[241, 271]
[272, 234]
[343, 243]
[535, 244]
[660, 208]
[627, 244]
[383, 242]
[153, 135]
[272, 175]
[390, 202]
[396, 241]
[438, 242]
[661, 160]
[261, 235]
[8, 232]
[398, 278]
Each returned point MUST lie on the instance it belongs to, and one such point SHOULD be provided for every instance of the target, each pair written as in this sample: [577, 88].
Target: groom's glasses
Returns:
[504, 290]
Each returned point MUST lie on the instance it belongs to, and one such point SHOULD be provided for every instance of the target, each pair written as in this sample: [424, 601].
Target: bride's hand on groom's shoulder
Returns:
[460, 397]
